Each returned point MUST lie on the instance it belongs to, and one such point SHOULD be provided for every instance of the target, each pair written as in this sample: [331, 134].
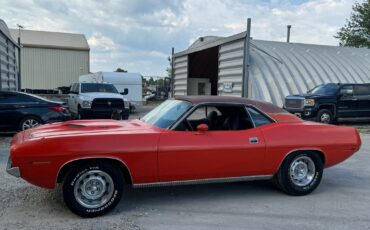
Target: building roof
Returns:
[51, 40]
[262, 105]
[5, 30]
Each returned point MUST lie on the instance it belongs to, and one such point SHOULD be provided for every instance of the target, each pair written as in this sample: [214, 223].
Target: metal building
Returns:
[51, 59]
[8, 60]
[215, 66]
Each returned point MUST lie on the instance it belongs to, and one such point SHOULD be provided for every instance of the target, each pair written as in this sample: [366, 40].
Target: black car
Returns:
[21, 111]
[332, 102]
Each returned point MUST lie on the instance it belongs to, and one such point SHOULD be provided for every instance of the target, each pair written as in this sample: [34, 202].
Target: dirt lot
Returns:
[342, 201]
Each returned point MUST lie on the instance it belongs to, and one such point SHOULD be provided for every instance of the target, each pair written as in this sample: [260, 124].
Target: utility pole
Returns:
[246, 59]
[172, 73]
[19, 56]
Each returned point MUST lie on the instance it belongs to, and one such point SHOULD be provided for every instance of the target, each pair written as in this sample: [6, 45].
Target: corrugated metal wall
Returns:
[8, 63]
[51, 68]
[181, 75]
[279, 69]
[230, 67]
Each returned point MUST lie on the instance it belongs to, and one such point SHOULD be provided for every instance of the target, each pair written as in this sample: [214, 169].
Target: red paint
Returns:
[156, 155]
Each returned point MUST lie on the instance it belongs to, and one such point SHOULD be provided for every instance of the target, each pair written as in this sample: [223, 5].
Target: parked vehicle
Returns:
[21, 111]
[96, 100]
[128, 84]
[332, 102]
[185, 140]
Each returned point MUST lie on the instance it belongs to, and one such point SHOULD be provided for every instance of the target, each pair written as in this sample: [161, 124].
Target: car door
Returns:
[362, 96]
[347, 102]
[191, 155]
[72, 98]
[5, 110]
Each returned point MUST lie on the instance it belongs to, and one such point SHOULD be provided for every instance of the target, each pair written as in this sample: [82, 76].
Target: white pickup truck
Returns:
[97, 100]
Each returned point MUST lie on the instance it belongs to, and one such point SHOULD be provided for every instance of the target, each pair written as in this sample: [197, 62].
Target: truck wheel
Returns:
[79, 113]
[300, 173]
[325, 116]
[93, 189]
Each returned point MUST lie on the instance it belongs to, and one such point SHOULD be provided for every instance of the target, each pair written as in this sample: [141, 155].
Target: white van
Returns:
[128, 84]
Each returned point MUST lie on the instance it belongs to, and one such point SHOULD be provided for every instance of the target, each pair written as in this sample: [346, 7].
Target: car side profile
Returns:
[332, 102]
[20, 111]
[186, 140]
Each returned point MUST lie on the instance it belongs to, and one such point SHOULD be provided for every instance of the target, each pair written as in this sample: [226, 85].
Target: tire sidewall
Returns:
[287, 182]
[76, 172]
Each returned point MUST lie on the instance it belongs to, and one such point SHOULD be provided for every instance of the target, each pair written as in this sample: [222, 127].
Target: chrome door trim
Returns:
[203, 181]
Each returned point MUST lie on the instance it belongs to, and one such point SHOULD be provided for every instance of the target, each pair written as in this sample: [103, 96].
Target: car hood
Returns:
[102, 95]
[88, 127]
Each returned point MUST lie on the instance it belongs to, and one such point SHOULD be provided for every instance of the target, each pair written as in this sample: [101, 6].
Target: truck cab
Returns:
[97, 100]
[332, 102]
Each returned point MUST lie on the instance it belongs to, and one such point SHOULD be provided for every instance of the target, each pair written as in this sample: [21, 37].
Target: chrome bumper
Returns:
[14, 171]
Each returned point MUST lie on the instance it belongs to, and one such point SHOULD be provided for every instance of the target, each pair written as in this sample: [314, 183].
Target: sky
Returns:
[137, 35]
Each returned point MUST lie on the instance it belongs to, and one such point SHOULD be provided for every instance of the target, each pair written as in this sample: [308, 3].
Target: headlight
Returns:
[127, 104]
[86, 104]
[309, 102]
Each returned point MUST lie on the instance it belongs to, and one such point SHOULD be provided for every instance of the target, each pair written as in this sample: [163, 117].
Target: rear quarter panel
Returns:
[336, 142]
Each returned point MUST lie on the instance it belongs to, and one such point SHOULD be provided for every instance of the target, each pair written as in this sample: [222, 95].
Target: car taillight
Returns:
[57, 108]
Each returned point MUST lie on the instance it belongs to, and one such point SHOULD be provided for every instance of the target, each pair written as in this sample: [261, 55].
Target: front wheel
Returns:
[325, 116]
[300, 173]
[93, 189]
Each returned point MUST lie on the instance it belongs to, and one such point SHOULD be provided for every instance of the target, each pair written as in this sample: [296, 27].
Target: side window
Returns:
[258, 118]
[361, 90]
[218, 118]
[346, 90]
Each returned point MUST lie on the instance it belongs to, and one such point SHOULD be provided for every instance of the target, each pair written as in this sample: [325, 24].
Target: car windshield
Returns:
[98, 88]
[328, 89]
[166, 113]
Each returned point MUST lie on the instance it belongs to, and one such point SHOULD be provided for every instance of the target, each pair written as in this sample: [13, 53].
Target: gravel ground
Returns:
[342, 201]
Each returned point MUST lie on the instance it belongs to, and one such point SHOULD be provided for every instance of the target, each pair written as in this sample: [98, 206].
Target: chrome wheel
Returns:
[93, 189]
[30, 123]
[325, 118]
[302, 171]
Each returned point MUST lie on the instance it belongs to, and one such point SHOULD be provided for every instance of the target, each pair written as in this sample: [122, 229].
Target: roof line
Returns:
[55, 47]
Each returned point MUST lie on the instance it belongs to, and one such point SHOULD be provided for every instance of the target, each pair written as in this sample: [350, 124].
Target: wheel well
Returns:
[331, 108]
[318, 152]
[67, 167]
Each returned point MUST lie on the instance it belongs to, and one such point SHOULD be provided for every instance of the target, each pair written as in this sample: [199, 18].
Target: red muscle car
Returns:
[185, 140]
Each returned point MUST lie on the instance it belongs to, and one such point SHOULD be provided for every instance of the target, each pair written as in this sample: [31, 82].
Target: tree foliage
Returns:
[356, 31]
[120, 70]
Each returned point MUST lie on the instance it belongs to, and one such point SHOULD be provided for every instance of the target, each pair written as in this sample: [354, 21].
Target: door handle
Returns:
[354, 99]
[253, 140]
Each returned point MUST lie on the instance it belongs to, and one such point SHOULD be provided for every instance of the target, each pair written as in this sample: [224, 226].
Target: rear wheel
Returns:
[93, 189]
[300, 173]
[29, 122]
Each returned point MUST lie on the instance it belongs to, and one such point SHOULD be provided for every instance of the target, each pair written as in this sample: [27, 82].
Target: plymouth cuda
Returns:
[186, 140]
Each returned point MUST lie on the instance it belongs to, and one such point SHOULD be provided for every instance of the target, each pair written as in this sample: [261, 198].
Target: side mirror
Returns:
[202, 127]
[125, 92]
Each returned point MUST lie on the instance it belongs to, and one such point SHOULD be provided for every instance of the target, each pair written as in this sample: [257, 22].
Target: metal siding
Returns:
[52, 68]
[8, 65]
[301, 66]
[181, 75]
[230, 67]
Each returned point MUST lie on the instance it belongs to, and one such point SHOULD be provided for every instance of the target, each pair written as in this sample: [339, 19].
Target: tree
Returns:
[356, 31]
[120, 70]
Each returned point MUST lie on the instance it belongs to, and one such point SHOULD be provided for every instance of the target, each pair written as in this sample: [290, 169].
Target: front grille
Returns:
[107, 104]
[294, 103]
